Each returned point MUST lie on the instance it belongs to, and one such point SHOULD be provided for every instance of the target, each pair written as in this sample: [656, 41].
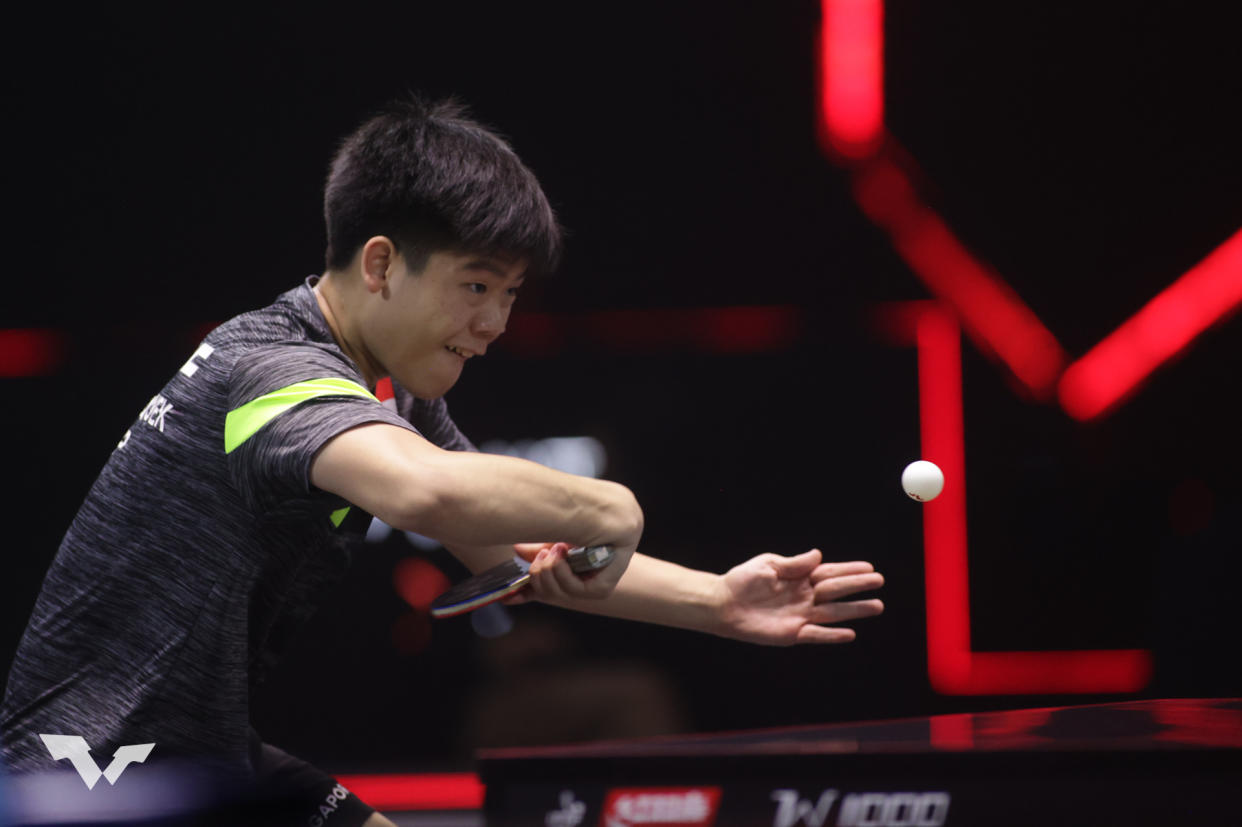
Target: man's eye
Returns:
[477, 287]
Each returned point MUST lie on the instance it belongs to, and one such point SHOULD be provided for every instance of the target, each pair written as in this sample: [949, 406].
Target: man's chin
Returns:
[428, 389]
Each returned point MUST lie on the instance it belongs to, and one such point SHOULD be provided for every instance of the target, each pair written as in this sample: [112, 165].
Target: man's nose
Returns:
[490, 322]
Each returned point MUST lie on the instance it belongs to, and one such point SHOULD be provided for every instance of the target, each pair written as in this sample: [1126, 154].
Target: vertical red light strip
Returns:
[852, 70]
[944, 519]
[951, 665]
[1111, 370]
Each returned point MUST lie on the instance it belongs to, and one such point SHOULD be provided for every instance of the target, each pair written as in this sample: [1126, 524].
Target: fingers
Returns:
[797, 567]
[834, 588]
[841, 612]
[828, 570]
[529, 551]
[818, 628]
[823, 634]
[833, 581]
[553, 580]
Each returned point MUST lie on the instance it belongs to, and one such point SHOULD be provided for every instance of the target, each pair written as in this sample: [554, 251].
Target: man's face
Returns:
[426, 325]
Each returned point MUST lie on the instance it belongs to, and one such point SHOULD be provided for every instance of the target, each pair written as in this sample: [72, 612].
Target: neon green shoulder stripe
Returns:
[242, 423]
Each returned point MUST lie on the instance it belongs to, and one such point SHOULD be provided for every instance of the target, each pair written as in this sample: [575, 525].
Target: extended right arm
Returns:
[466, 499]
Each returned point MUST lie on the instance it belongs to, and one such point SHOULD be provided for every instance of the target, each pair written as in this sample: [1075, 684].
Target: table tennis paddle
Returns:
[510, 576]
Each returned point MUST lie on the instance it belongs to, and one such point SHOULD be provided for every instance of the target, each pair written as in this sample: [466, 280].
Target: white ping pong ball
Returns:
[922, 480]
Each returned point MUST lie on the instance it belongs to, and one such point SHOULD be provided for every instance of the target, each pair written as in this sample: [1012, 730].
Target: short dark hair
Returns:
[431, 178]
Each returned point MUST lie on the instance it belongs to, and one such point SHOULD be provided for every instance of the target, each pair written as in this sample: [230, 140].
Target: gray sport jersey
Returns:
[200, 545]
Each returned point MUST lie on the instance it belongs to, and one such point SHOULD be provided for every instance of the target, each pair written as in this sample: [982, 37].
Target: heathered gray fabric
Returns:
[185, 568]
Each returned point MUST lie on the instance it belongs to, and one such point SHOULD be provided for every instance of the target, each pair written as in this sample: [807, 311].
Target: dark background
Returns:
[163, 172]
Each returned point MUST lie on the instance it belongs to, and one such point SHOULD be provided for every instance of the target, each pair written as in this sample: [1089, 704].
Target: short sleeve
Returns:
[430, 417]
[285, 402]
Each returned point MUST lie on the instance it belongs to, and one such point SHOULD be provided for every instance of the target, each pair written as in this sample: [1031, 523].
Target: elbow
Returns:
[630, 517]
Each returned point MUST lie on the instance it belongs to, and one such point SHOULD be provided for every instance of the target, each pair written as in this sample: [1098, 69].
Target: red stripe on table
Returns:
[417, 791]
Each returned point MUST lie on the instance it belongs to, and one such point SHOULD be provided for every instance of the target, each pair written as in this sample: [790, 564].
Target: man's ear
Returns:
[378, 256]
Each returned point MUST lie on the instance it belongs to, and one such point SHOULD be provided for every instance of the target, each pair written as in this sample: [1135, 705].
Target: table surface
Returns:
[1154, 762]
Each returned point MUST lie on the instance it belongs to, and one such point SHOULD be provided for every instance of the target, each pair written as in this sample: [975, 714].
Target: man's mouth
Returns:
[464, 354]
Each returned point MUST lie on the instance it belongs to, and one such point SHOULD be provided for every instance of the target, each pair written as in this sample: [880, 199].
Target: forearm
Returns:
[484, 500]
[657, 591]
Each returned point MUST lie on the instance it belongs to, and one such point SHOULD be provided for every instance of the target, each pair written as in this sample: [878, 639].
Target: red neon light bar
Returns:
[852, 76]
[723, 331]
[995, 316]
[1114, 368]
[946, 578]
[719, 330]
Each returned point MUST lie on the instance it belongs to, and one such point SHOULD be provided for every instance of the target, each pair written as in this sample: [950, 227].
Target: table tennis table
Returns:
[1149, 762]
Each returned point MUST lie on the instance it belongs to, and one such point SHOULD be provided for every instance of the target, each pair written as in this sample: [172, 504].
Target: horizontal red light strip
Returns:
[712, 330]
[420, 791]
[1077, 672]
[852, 76]
[31, 352]
[718, 330]
[997, 319]
[1110, 371]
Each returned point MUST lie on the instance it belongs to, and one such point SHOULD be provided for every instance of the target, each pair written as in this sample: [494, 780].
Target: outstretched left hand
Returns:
[780, 601]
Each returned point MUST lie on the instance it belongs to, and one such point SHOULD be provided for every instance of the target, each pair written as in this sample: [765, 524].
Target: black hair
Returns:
[431, 178]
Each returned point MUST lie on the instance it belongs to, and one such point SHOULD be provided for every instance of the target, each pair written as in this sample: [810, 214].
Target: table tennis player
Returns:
[226, 507]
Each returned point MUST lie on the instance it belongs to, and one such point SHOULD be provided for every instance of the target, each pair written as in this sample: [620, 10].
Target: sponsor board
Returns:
[830, 808]
[660, 807]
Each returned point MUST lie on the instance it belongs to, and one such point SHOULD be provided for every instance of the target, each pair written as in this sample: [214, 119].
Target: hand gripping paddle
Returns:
[501, 581]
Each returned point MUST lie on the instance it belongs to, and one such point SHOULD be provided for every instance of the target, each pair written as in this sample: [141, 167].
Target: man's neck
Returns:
[332, 303]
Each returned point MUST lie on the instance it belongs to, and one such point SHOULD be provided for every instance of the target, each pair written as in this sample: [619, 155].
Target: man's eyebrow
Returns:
[491, 267]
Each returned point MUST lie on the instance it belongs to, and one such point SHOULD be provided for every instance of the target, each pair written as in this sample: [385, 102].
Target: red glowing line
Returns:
[852, 76]
[26, 352]
[944, 519]
[995, 316]
[951, 665]
[424, 791]
[713, 330]
[724, 331]
[1078, 672]
[1114, 368]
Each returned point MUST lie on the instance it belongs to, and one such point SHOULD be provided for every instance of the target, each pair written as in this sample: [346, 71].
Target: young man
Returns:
[219, 516]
